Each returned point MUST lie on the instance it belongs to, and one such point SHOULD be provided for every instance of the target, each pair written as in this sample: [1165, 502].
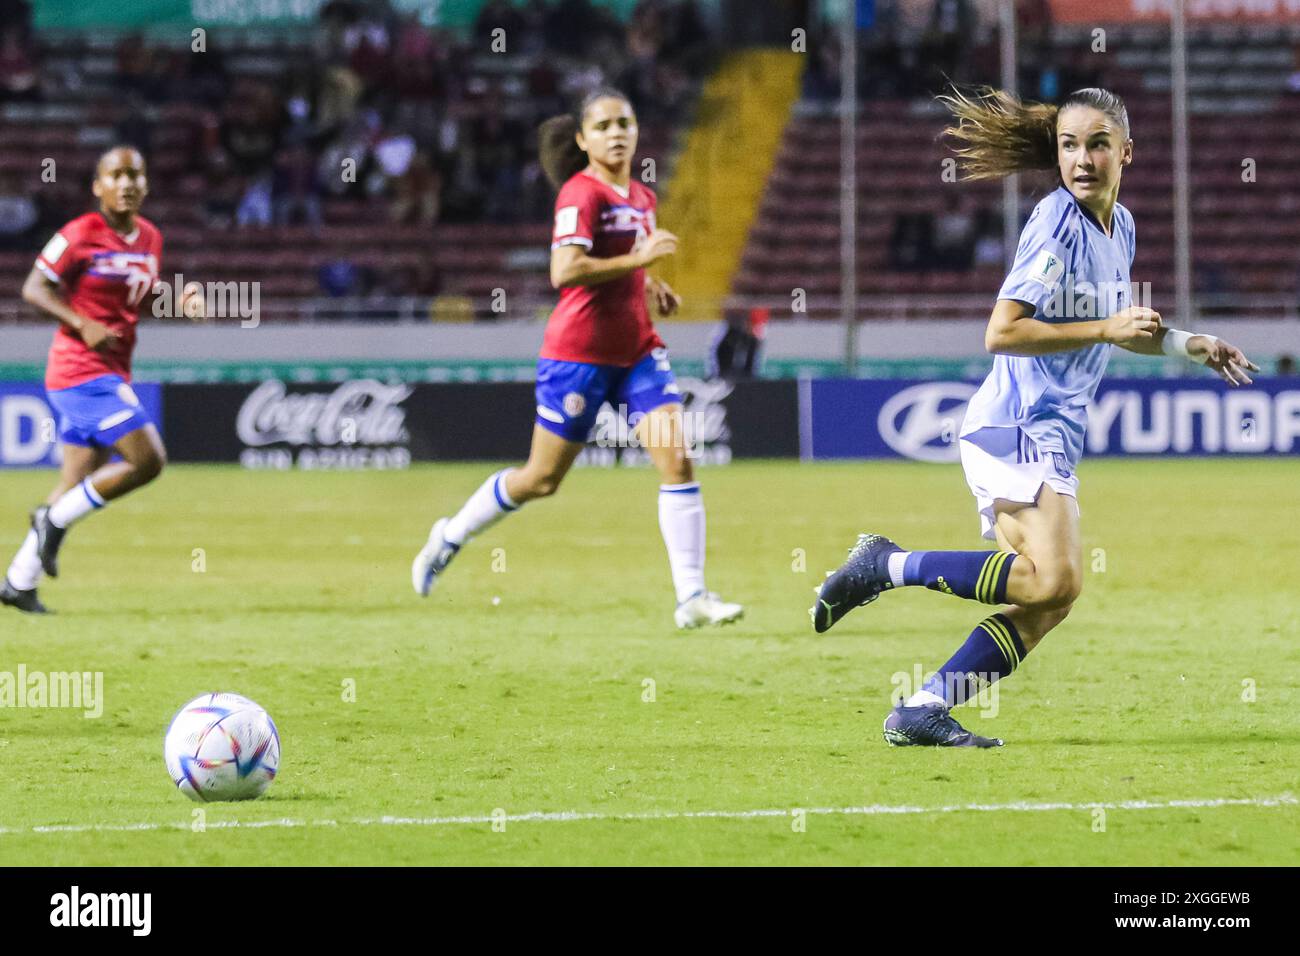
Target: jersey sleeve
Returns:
[1042, 257]
[576, 210]
[60, 255]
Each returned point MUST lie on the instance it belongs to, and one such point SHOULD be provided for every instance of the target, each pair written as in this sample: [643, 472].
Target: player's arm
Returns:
[1013, 330]
[570, 264]
[42, 292]
[1228, 361]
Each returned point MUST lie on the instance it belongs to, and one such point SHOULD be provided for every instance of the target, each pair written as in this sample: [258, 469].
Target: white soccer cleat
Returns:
[432, 559]
[706, 608]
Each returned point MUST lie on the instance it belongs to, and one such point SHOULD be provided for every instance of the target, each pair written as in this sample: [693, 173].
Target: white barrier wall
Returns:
[520, 340]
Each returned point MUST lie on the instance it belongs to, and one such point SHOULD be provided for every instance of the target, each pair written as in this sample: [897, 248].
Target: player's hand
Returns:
[1134, 324]
[98, 336]
[1226, 359]
[193, 305]
[658, 245]
[666, 300]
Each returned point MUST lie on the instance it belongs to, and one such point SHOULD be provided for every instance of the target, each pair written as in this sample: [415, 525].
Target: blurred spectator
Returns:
[989, 249]
[954, 234]
[417, 193]
[1285, 365]
[251, 124]
[221, 193]
[950, 31]
[16, 15]
[912, 247]
[19, 79]
[255, 205]
[345, 164]
[19, 215]
[343, 277]
[295, 189]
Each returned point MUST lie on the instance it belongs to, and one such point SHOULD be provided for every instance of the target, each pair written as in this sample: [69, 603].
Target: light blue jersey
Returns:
[1069, 270]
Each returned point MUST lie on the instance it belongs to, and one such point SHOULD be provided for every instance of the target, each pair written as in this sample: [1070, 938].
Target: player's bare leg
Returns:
[663, 434]
[1047, 535]
[549, 461]
[143, 459]
[24, 574]
[1044, 536]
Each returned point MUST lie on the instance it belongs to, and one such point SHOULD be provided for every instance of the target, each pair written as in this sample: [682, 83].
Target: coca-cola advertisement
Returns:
[369, 424]
[358, 425]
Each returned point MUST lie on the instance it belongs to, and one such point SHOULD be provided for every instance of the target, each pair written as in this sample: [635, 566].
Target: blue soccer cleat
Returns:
[930, 725]
[859, 581]
[432, 559]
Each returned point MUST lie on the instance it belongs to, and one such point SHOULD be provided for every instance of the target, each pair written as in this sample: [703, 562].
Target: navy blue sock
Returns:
[993, 650]
[981, 575]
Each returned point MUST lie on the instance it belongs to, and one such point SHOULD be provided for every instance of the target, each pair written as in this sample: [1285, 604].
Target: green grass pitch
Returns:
[1176, 678]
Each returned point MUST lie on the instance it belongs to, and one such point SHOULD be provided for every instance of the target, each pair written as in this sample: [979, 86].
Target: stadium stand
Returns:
[248, 145]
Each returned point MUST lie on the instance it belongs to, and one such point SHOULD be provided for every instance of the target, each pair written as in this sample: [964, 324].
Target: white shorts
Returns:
[1017, 473]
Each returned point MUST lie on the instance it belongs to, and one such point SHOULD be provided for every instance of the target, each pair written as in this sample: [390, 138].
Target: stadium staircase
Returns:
[727, 155]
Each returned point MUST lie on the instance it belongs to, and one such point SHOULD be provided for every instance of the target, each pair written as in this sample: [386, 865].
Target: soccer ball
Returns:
[222, 747]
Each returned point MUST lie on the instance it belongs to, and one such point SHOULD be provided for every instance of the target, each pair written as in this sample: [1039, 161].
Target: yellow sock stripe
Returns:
[989, 577]
[996, 637]
[993, 583]
[999, 639]
[1007, 644]
[984, 573]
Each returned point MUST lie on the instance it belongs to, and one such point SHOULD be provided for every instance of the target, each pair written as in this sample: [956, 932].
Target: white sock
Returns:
[681, 519]
[923, 697]
[26, 568]
[485, 508]
[896, 562]
[75, 505]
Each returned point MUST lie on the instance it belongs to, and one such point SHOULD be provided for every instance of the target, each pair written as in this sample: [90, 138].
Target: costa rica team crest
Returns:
[575, 403]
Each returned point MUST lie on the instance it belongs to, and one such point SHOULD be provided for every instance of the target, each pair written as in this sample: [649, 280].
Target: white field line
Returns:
[569, 816]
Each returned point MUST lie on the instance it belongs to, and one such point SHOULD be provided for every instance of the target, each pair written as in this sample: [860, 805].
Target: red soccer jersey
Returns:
[606, 324]
[105, 276]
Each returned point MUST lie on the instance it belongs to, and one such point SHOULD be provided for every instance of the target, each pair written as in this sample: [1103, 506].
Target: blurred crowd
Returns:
[913, 48]
[422, 123]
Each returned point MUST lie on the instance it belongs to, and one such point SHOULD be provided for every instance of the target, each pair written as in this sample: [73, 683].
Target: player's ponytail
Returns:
[996, 134]
[557, 150]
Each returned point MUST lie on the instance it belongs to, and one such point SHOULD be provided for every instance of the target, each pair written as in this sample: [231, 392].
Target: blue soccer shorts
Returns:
[570, 394]
[98, 412]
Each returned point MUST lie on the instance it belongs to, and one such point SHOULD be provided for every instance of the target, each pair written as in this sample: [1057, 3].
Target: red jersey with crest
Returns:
[605, 324]
[104, 276]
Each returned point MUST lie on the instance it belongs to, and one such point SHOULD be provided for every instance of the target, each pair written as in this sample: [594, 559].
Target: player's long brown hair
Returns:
[996, 134]
[557, 150]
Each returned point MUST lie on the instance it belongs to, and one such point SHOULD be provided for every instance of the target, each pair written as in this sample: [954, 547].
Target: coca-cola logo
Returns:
[363, 412]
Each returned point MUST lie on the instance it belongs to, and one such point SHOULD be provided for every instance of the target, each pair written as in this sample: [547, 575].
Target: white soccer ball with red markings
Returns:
[222, 747]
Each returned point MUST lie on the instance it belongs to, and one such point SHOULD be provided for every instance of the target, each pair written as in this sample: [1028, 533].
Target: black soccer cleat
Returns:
[25, 601]
[49, 538]
[859, 581]
[930, 725]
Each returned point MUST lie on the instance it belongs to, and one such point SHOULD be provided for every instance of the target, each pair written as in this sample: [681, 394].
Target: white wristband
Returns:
[1175, 343]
